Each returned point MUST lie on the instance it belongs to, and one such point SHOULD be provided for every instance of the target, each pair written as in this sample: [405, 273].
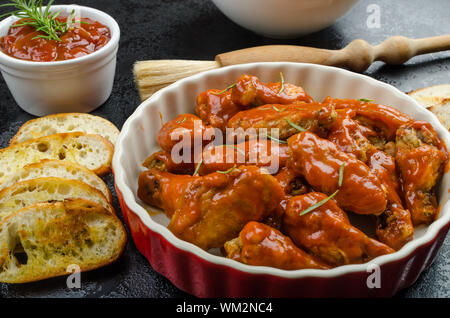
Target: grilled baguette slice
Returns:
[432, 95]
[59, 169]
[442, 112]
[43, 240]
[29, 192]
[91, 151]
[437, 100]
[64, 123]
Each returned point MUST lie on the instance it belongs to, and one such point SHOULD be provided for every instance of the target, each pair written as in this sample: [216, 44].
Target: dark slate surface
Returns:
[195, 29]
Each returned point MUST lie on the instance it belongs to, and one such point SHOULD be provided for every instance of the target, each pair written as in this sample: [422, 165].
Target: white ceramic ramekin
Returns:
[206, 274]
[78, 85]
[284, 18]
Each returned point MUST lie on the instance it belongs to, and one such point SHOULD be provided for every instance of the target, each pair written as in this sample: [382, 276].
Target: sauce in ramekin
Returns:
[81, 39]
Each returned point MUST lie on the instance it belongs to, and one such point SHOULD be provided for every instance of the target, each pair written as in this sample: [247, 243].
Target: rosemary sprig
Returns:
[181, 121]
[299, 128]
[198, 167]
[341, 175]
[228, 171]
[282, 83]
[322, 202]
[33, 14]
[226, 89]
[238, 149]
[279, 110]
[276, 139]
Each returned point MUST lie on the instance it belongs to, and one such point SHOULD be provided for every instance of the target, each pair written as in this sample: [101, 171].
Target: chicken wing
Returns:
[382, 118]
[262, 153]
[162, 160]
[320, 162]
[314, 117]
[155, 187]
[350, 136]
[260, 245]
[421, 157]
[215, 108]
[211, 210]
[250, 91]
[185, 129]
[327, 233]
[291, 182]
[394, 226]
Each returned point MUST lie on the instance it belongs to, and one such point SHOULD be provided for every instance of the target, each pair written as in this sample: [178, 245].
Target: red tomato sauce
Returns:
[81, 39]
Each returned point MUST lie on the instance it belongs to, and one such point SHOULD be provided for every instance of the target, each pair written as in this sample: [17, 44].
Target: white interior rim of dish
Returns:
[404, 252]
[112, 25]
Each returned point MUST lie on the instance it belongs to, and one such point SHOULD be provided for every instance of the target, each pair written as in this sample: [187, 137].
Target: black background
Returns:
[196, 29]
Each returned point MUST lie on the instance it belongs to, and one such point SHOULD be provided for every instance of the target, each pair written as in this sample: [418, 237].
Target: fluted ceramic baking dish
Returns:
[207, 274]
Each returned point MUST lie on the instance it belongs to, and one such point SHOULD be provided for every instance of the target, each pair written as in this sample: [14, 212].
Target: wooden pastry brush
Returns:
[151, 76]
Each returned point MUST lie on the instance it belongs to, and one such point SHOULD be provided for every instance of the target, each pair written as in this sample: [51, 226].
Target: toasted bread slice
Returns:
[433, 95]
[46, 239]
[29, 192]
[65, 123]
[91, 151]
[442, 112]
[59, 169]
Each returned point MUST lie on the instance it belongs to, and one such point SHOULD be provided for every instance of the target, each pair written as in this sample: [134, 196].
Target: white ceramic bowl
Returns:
[284, 18]
[206, 274]
[78, 85]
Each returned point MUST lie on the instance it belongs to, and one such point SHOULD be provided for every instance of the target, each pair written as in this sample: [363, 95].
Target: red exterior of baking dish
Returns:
[201, 278]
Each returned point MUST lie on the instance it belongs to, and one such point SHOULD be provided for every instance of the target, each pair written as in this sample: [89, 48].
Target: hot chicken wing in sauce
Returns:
[421, 158]
[326, 232]
[320, 161]
[210, 210]
[250, 91]
[260, 244]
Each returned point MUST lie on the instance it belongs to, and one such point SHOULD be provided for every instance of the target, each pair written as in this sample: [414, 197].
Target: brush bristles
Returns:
[150, 76]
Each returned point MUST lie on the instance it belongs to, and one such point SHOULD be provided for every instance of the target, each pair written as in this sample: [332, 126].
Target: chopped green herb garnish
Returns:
[282, 83]
[366, 100]
[279, 110]
[318, 204]
[276, 139]
[299, 128]
[235, 147]
[226, 89]
[228, 171]
[341, 174]
[198, 167]
[275, 108]
[181, 121]
[315, 206]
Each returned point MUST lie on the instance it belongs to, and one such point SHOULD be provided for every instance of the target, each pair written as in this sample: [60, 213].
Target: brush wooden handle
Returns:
[356, 56]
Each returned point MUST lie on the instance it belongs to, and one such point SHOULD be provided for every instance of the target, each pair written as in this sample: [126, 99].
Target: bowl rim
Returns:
[406, 251]
[111, 23]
